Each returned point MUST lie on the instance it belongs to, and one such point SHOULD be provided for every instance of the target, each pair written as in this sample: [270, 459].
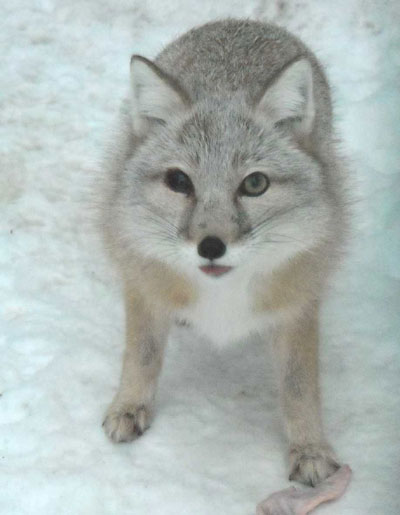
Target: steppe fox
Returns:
[224, 206]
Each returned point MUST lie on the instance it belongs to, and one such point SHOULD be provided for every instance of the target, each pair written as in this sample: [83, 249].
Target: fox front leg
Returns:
[296, 347]
[300, 502]
[130, 413]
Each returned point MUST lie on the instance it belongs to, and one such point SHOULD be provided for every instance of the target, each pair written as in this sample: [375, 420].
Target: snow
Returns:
[216, 445]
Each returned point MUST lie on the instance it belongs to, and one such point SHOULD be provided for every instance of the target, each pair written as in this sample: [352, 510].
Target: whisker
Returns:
[163, 221]
[264, 221]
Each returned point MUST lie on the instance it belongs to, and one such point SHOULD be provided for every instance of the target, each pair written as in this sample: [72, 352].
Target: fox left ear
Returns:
[156, 96]
[290, 97]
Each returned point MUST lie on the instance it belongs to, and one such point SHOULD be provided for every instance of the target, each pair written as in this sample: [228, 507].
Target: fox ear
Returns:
[290, 97]
[155, 95]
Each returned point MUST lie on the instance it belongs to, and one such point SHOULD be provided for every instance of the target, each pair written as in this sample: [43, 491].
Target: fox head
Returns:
[222, 181]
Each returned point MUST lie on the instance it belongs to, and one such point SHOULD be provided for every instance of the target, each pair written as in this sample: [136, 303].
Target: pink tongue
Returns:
[215, 269]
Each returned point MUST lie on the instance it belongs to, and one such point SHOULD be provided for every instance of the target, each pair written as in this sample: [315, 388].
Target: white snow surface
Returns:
[216, 445]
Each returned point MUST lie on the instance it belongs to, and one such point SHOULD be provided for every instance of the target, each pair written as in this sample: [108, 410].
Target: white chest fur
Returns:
[224, 311]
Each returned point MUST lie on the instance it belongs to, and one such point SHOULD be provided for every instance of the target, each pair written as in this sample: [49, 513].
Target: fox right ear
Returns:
[155, 95]
[291, 97]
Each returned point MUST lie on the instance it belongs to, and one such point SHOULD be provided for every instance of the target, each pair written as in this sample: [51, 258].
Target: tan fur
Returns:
[296, 349]
[146, 331]
[162, 286]
[292, 285]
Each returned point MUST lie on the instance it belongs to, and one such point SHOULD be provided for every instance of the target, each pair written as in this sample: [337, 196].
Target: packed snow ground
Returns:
[216, 445]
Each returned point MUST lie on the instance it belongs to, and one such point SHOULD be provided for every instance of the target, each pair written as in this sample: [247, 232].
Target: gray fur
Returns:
[223, 68]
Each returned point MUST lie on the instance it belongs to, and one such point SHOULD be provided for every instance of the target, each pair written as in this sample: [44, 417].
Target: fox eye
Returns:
[254, 185]
[178, 181]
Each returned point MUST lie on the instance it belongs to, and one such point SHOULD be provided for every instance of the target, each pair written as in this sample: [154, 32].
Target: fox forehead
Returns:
[218, 146]
[218, 131]
[228, 144]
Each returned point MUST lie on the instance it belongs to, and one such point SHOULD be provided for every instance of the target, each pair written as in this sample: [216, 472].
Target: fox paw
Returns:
[126, 423]
[310, 464]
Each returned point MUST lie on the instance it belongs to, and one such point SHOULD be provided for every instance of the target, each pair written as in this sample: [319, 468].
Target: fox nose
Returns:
[211, 248]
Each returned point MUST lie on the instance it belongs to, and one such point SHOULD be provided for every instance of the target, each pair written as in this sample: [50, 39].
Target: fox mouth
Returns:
[215, 270]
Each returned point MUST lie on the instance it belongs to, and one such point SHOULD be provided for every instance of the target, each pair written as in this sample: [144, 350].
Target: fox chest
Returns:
[225, 311]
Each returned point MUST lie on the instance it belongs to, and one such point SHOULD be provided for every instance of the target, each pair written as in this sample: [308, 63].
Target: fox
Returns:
[223, 205]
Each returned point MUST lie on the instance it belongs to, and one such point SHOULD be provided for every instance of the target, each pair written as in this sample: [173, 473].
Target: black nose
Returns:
[211, 248]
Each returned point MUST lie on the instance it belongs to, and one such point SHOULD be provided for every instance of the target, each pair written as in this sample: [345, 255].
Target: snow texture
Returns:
[216, 445]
